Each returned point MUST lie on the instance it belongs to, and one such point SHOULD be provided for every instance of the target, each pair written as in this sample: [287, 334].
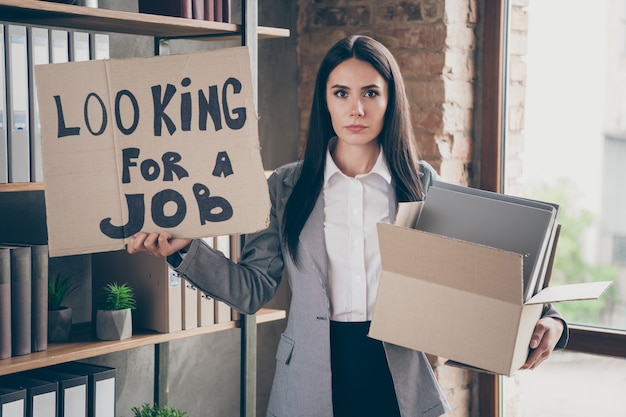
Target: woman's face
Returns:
[357, 96]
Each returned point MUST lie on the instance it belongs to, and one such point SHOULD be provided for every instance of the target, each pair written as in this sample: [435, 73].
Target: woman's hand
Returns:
[545, 337]
[157, 244]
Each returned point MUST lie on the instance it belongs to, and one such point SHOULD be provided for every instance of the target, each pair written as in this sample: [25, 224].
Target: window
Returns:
[560, 136]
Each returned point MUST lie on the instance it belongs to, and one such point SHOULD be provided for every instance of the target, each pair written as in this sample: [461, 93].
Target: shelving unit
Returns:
[84, 346]
[71, 17]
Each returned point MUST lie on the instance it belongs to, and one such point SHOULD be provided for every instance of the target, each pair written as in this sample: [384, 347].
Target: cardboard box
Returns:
[459, 300]
[150, 144]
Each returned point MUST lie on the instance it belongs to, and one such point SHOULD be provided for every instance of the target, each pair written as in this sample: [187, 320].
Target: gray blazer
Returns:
[302, 382]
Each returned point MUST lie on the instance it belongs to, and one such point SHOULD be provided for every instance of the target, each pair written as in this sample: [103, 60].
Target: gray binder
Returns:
[99, 46]
[79, 46]
[17, 103]
[4, 161]
[59, 46]
[489, 219]
[38, 54]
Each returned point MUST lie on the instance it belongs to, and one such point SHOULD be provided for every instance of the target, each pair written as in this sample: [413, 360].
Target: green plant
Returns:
[148, 410]
[118, 297]
[59, 288]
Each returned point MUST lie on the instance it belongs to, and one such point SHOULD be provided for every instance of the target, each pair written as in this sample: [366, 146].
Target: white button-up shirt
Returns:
[352, 207]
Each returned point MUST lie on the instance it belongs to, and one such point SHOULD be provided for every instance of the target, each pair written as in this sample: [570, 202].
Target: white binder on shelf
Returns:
[18, 137]
[222, 310]
[79, 46]
[59, 46]
[189, 305]
[38, 54]
[99, 46]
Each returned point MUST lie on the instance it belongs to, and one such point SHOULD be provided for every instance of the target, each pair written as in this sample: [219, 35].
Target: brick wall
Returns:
[434, 43]
[516, 95]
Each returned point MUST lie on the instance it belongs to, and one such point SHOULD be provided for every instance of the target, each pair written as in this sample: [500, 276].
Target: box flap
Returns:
[478, 269]
[582, 291]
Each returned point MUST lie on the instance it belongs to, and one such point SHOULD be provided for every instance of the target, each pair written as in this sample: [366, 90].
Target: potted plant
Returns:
[148, 410]
[59, 315]
[114, 318]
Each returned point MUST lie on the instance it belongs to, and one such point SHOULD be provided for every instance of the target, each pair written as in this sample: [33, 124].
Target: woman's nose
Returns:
[357, 109]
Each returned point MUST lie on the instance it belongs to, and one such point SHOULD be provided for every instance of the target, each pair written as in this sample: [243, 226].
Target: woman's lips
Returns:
[355, 128]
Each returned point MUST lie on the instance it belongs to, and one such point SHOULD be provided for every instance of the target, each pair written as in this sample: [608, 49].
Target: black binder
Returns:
[41, 396]
[72, 393]
[100, 386]
[12, 402]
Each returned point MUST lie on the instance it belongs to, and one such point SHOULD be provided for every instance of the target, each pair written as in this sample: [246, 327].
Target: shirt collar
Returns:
[331, 169]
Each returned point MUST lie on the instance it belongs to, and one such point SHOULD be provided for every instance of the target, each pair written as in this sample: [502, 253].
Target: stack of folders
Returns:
[21, 49]
[505, 222]
[213, 10]
[166, 301]
[72, 389]
[23, 299]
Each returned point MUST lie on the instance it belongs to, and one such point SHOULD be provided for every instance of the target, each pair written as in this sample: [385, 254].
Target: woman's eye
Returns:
[370, 93]
[341, 93]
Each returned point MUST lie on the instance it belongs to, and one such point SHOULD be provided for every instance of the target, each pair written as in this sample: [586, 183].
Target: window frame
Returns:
[584, 339]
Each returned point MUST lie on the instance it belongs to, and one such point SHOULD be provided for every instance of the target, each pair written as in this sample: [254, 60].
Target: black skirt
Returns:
[362, 384]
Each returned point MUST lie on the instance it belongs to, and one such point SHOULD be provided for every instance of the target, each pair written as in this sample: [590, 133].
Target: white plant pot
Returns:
[114, 324]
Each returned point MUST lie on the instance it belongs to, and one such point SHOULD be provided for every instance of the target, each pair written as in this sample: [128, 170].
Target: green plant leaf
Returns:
[147, 410]
[118, 297]
[59, 288]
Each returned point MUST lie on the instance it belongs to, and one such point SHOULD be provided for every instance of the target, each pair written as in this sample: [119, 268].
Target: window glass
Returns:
[565, 143]
[566, 140]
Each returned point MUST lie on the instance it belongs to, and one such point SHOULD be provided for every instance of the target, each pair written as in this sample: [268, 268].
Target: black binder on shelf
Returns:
[5, 303]
[38, 54]
[41, 396]
[100, 386]
[500, 221]
[176, 8]
[18, 136]
[21, 290]
[4, 161]
[12, 402]
[71, 394]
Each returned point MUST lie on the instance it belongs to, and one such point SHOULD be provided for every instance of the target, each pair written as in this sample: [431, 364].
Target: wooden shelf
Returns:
[43, 13]
[84, 347]
[21, 186]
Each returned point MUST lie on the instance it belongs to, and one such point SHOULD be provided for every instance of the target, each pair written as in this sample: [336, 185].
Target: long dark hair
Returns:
[396, 137]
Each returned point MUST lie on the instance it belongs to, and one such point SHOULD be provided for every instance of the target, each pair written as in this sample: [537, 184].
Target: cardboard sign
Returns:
[150, 144]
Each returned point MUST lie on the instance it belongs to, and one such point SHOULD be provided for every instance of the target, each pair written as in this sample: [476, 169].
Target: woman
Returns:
[359, 162]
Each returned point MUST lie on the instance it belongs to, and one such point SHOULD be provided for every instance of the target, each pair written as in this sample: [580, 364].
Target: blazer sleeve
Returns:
[245, 286]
